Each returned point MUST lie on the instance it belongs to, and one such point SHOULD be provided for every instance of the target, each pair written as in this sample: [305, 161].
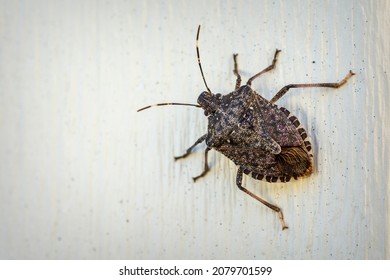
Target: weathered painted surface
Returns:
[82, 175]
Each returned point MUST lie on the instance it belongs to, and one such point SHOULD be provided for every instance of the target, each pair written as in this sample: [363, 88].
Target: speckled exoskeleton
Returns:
[262, 139]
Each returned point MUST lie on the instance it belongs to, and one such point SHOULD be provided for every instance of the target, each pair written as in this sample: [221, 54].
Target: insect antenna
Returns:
[204, 80]
[200, 65]
[169, 103]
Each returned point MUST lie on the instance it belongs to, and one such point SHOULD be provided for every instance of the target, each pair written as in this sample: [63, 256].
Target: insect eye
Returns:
[208, 102]
[208, 112]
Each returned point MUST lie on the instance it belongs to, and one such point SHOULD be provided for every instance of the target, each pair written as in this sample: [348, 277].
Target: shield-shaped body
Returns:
[262, 138]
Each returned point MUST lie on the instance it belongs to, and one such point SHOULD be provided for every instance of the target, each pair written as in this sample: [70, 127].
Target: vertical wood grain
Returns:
[82, 175]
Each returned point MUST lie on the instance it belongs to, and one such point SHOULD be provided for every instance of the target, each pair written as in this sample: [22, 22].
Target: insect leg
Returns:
[235, 71]
[206, 165]
[269, 68]
[200, 140]
[273, 207]
[330, 85]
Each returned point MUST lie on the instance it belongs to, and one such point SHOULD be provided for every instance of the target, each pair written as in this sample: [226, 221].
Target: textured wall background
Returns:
[82, 175]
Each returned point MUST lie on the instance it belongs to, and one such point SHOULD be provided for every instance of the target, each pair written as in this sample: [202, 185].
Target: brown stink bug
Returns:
[262, 139]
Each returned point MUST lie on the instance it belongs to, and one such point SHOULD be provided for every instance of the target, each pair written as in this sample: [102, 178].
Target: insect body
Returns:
[262, 139]
[265, 141]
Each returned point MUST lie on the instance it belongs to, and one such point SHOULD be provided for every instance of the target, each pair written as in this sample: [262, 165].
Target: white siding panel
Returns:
[82, 175]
